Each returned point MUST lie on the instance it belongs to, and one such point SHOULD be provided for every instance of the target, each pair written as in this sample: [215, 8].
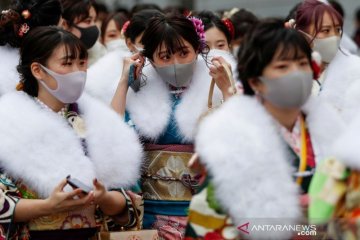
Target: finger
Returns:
[61, 185]
[135, 56]
[72, 194]
[97, 184]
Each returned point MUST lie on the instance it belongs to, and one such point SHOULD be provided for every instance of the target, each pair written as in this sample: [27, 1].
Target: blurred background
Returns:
[262, 8]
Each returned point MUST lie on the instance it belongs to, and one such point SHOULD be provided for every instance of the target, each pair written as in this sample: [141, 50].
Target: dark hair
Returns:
[144, 6]
[243, 21]
[313, 11]
[119, 18]
[42, 13]
[169, 30]
[38, 46]
[76, 9]
[139, 22]
[292, 12]
[260, 46]
[337, 6]
[357, 15]
[210, 20]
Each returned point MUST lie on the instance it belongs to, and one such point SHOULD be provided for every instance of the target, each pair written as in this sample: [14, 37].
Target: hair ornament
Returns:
[26, 14]
[230, 26]
[24, 28]
[199, 28]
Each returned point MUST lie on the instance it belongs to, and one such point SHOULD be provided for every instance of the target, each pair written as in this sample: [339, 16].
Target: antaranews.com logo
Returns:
[298, 229]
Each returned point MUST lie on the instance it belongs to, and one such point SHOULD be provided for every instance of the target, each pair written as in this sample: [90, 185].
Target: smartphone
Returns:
[76, 183]
[133, 82]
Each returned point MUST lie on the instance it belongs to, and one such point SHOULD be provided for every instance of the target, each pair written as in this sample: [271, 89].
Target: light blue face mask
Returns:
[69, 86]
[177, 75]
[289, 91]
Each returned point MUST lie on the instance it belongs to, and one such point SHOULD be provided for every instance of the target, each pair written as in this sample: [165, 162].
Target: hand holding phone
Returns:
[133, 82]
[76, 183]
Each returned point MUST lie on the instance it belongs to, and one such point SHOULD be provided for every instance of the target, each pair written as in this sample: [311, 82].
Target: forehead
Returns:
[111, 25]
[329, 19]
[214, 34]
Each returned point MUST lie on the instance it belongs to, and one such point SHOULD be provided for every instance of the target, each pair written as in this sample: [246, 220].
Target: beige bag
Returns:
[138, 233]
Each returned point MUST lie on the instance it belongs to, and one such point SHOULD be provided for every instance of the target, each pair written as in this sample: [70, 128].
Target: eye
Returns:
[325, 30]
[184, 53]
[281, 66]
[304, 63]
[165, 57]
[67, 63]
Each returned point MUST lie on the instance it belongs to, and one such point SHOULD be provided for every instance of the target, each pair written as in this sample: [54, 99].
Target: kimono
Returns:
[253, 168]
[39, 148]
[166, 120]
[9, 77]
[335, 189]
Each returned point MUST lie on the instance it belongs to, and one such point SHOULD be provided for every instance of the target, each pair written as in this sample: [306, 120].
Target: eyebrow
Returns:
[329, 26]
[179, 49]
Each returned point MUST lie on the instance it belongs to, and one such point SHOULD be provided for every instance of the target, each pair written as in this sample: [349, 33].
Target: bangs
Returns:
[74, 49]
[171, 41]
[292, 47]
[319, 13]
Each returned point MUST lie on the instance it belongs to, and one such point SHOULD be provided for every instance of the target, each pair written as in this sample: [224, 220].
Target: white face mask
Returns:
[116, 44]
[69, 86]
[327, 47]
[235, 50]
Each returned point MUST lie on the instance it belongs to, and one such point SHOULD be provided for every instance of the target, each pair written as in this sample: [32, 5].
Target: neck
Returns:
[50, 101]
[286, 117]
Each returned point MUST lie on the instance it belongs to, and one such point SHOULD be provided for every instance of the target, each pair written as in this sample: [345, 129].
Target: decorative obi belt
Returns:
[166, 175]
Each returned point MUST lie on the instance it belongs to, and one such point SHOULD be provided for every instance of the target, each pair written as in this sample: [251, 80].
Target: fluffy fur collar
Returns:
[243, 151]
[104, 75]
[347, 147]
[39, 147]
[150, 108]
[9, 77]
[341, 74]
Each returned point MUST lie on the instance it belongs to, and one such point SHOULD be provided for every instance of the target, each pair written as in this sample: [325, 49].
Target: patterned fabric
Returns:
[207, 220]
[167, 183]
[293, 140]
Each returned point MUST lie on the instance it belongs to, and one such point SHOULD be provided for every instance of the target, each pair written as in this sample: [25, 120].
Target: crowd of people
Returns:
[190, 123]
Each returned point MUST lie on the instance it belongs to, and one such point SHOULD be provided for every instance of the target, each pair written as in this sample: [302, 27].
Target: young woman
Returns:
[322, 25]
[243, 21]
[111, 35]
[218, 33]
[79, 18]
[166, 99]
[103, 76]
[15, 23]
[260, 149]
[47, 133]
